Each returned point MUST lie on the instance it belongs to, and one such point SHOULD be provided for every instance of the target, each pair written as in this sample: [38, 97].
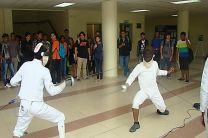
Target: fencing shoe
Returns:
[70, 81]
[135, 126]
[166, 112]
[196, 106]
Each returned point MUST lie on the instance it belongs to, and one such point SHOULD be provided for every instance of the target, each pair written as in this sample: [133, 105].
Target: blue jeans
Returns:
[7, 63]
[124, 63]
[165, 63]
[63, 67]
[98, 66]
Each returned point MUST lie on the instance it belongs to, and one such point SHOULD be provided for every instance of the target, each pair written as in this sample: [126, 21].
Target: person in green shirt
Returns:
[183, 46]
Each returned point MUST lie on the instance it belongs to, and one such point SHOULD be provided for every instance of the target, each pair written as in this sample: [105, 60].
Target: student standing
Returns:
[98, 57]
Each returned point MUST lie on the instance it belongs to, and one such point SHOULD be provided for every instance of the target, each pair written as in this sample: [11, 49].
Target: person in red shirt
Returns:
[82, 53]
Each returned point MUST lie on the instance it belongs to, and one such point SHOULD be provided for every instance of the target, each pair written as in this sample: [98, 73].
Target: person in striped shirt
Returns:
[183, 46]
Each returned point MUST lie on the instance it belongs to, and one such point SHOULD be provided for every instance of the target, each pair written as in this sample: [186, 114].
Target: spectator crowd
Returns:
[84, 56]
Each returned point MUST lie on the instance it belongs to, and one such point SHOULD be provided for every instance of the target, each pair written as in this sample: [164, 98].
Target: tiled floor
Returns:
[98, 109]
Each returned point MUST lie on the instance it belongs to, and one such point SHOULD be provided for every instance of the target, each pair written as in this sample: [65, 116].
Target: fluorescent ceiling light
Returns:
[64, 4]
[185, 1]
[140, 10]
[174, 15]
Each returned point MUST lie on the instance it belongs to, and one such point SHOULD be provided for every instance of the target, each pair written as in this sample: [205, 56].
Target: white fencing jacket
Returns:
[204, 89]
[146, 77]
[33, 77]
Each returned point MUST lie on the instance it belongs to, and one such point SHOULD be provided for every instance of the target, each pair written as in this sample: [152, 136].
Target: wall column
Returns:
[6, 23]
[183, 22]
[109, 36]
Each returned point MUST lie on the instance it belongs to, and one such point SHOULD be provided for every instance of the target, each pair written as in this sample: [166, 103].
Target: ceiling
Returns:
[157, 7]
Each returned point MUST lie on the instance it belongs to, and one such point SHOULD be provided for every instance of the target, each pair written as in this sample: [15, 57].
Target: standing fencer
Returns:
[34, 77]
[146, 71]
[204, 96]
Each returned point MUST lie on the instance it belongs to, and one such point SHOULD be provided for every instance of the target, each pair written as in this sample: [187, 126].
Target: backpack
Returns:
[61, 50]
[191, 55]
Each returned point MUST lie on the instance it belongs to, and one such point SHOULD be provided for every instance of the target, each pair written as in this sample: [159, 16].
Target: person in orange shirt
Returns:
[56, 60]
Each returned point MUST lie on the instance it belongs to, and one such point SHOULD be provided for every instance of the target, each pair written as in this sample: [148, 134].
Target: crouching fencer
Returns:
[34, 77]
[146, 71]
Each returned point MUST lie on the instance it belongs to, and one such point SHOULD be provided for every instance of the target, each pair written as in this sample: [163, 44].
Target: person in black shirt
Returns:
[124, 46]
[27, 48]
[142, 43]
[38, 38]
[82, 53]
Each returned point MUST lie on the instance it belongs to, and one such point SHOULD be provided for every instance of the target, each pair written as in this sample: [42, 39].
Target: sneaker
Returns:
[163, 113]
[135, 126]
[196, 106]
[70, 81]
[186, 81]
[8, 85]
[181, 79]
[85, 78]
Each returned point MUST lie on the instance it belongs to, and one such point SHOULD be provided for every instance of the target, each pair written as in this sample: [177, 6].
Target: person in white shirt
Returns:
[34, 77]
[204, 96]
[146, 72]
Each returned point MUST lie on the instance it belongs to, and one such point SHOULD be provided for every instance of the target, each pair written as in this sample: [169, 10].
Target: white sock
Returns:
[61, 129]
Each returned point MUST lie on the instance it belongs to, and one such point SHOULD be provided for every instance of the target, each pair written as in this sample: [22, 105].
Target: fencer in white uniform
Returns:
[204, 96]
[33, 77]
[146, 72]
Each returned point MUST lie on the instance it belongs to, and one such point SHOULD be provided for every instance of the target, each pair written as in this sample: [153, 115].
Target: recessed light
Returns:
[174, 15]
[64, 5]
[140, 10]
[185, 1]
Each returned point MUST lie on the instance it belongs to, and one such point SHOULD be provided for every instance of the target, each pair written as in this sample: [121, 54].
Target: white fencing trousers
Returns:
[29, 109]
[156, 99]
[206, 121]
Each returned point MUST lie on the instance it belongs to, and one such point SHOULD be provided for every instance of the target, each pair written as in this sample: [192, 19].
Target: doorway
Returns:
[92, 29]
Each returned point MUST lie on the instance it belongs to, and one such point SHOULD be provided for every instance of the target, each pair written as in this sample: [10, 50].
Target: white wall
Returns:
[198, 26]
[5, 21]
[78, 20]
[24, 16]
[59, 20]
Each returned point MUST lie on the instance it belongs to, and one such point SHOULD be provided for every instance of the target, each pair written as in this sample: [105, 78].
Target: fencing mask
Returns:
[40, 53]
